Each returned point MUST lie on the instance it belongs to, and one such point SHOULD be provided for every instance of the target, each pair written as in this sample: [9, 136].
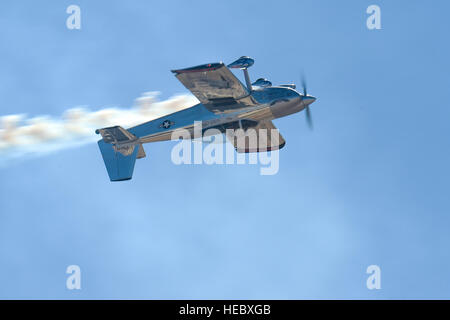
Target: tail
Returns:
[119, 149]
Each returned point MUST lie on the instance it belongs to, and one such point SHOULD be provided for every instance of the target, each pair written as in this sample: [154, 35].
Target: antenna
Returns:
[247, 79]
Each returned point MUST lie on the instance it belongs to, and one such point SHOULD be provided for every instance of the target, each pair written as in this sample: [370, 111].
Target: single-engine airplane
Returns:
[225, 103]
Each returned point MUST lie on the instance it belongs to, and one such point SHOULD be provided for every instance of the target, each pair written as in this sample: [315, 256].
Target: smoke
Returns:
[21, 136]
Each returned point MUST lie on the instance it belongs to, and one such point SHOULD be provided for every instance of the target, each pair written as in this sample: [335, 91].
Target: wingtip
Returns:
[200, 68]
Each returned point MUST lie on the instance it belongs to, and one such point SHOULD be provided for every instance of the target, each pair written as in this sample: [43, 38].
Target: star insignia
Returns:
[166, 124]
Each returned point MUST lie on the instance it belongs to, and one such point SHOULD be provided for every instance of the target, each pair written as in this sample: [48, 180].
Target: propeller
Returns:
[308, 111]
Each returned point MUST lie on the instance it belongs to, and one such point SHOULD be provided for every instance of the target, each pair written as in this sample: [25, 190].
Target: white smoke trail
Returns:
[21, 136]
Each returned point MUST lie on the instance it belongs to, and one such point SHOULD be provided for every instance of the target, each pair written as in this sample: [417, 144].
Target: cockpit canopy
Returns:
[262, 82]
[243, 62]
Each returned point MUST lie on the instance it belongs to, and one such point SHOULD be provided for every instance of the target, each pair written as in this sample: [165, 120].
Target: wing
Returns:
[264, 137]
[216, 87]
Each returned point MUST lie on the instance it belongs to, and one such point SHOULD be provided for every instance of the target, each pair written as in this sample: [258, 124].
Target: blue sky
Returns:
[368, 186]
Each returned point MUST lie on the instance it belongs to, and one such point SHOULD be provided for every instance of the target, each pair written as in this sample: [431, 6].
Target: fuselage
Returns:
[269, 103]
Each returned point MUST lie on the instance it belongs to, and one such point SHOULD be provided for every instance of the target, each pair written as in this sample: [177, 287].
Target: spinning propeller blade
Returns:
[308, 111]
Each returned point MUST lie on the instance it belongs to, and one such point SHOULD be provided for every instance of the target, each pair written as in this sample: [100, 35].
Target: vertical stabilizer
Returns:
[119, 150]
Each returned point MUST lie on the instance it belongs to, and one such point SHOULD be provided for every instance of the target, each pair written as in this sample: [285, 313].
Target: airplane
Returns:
[225, 103]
